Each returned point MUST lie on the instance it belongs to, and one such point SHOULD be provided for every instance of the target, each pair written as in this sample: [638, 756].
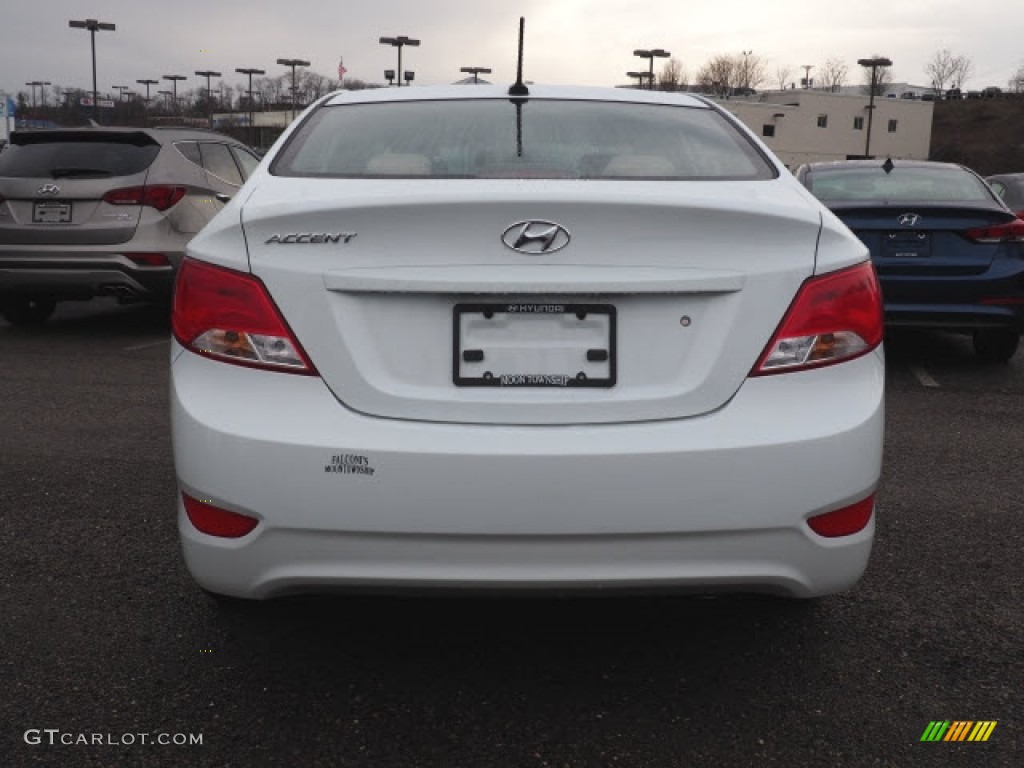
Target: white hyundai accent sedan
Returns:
[446, 338]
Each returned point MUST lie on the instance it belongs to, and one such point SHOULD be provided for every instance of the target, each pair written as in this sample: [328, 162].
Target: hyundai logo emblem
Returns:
[535, 236]
[48, 189]
[908, 220]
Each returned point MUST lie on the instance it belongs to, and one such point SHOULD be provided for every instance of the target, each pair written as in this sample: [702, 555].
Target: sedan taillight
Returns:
[1011, 232]
[159, 196]
[834, 317]
[229, 316]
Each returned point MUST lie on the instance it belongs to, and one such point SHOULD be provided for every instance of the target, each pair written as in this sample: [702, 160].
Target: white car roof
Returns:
[441, 92]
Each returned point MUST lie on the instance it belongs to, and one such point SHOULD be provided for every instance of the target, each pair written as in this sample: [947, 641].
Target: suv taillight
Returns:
[159, 196]
[229, 316]
[1011, 232]
[834, 317]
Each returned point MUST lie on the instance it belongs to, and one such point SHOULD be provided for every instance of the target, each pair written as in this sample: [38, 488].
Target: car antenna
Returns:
[518, 88]
[887, 166]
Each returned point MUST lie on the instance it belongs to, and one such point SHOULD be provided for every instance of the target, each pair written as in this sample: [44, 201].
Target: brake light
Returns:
[215, 521]
[229, 316]
[835, 317]
[159, 196]
[845, 521]
[1010, 232]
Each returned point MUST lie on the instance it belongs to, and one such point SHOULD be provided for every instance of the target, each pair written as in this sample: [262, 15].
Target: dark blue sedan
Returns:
[949, 254]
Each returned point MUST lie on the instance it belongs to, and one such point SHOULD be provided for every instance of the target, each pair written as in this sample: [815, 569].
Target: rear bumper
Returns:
[713, 502]
[993, 299]
[83, 277]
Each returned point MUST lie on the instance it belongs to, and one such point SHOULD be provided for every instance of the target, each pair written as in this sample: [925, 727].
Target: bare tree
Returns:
[671, 76]
[718, 75]
[833, 73]
[882, 78]
[963, 69]
[1017, 80]
[783, 73]
[313, 85]
[750, 70]
[940, 69]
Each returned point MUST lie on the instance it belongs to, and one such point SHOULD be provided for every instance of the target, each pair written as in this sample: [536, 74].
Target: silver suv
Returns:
[90, 212]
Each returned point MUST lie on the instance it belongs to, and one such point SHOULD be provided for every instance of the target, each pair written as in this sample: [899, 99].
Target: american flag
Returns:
[341, 69]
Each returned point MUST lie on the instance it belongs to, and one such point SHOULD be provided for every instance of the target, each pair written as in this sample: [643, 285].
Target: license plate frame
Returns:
[51, 212]
[597, 355]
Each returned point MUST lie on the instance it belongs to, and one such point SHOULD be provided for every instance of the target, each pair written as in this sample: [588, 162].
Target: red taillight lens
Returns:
[215, 521]
[845, 521]
[834, 317]
[1011, 232]
[159, 196]
[229, 316]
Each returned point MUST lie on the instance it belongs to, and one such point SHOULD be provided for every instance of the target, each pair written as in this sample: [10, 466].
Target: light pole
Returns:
[250, 72]
[651, 55]
[293, 63]
[147, 83]
[640, 77]
[874, 62]
[120, 90]
[746, 74]
[208, 73]
[42, 84]
[476, 72]
[174, 82]
[398, 42]
[807, 74]
[92, 25]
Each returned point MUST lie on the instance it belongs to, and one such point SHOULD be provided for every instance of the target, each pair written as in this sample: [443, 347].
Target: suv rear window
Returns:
[549, 139]
[57, 156]
[910, 184]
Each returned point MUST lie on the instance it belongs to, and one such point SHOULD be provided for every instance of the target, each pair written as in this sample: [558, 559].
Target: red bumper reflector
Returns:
[215, 521]
[149, 259]
[845, 521]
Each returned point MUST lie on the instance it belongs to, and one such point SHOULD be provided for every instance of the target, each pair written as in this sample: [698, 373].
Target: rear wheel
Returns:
[27, 310]
[996, 345]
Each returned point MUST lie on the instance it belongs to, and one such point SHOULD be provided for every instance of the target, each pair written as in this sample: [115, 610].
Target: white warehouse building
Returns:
[805, 126]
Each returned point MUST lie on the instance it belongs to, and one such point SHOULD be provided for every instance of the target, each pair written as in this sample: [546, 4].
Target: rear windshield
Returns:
[545, 139]
[75, 159]
[910, 184]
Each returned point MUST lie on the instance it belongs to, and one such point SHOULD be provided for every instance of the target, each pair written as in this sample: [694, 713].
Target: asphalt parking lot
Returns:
[104, 633]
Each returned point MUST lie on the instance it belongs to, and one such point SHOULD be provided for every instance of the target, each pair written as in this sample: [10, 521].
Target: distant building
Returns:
[804, 126]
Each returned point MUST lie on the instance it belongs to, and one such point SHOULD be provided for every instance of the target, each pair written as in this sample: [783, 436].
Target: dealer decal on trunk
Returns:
[349, 464]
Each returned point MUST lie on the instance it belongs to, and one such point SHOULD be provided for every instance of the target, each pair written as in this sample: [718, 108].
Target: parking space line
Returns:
[923, 376]
[147, 345]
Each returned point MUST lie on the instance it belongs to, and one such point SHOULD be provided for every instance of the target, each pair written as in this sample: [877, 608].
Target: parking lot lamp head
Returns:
[399, 42]
[93, 26]
[476, 72]
[147, 83]
[651, 54]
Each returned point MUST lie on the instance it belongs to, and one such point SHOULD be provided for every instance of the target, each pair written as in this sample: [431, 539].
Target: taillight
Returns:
[215, 521]
[159, 196]
[834, 317]
[1010, 232]
[229, 316]
[845, 521]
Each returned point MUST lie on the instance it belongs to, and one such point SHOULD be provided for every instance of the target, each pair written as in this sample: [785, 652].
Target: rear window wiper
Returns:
[63, 173]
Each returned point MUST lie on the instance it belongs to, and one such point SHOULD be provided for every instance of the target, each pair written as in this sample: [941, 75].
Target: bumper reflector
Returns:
[845, 521]
[215, 521]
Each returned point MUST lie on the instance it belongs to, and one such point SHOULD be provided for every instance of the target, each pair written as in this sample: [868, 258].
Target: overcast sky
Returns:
[568, 41]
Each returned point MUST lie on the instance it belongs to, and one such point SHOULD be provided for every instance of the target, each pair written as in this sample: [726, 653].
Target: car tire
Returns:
[996, 345]
[27, 310]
